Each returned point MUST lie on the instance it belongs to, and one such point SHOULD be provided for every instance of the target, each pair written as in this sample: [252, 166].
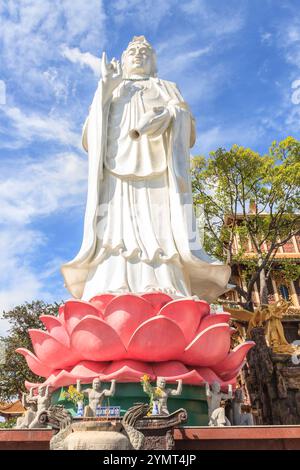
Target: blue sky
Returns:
[237, 63]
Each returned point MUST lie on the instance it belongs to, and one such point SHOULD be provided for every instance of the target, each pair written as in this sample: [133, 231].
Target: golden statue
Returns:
[270, 316]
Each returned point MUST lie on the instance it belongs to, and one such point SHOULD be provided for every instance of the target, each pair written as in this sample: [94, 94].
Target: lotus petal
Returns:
[175, 370]
[172, 368]
[95, 340]
[127, 371]
[48, 381]
[157, 339]
[88, 369]
[34, 364]
[157, 300]
[60, 379]
[230, 366]
[203, 307]
[125, 313]
[75, 310]
[56, 329]
[61, 313]
[213, 319]
[36, 385]
[50, 351]
[101, 301]
[187, 315]
[209, 347]
[63, 379]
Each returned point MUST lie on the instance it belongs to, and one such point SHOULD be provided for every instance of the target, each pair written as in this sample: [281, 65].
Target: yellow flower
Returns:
[145, 378]
[158, 391]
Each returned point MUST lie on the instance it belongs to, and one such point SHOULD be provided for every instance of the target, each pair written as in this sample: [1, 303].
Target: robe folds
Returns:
[140, 231]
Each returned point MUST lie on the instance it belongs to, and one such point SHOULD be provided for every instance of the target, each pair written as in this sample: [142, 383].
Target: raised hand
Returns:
[111, 72]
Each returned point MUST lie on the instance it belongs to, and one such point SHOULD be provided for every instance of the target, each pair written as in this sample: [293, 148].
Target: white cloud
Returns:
[31, 36]
[32, 32]
[32, 126]
[217, 136]
[37, 189]
[288, 39]
[83, 58]
[266, 37]
[296, 93]
[177, 63]
[18, 282]
[60, 87]
[222, 21]
[146, 14]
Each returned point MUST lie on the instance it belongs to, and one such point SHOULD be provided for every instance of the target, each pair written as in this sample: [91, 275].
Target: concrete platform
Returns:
[186, 438]
[238, 438]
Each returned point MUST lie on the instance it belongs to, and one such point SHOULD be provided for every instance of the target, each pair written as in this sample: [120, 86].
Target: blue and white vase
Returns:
[155, 410]
[79, 409]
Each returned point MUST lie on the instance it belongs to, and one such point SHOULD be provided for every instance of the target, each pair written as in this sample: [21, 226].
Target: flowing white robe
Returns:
[140, 232]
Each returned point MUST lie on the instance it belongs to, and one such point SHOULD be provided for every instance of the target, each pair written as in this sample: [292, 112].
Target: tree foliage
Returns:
[13, 368]
[253, 197]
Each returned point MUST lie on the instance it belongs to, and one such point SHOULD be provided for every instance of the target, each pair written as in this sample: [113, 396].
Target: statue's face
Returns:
[216, 387]
[138, 60]
[161, 382]
[96, 384]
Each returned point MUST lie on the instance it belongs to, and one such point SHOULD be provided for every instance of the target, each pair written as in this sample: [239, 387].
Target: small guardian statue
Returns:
[42, 401]
[159, 395]
[214, 396]
[24, 421]
[95, 396]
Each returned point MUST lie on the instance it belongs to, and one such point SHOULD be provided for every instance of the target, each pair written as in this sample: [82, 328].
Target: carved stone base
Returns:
[91, 435]
[158, 430]
[154, 432]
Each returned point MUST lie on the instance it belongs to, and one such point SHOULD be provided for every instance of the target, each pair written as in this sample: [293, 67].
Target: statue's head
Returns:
[215, 386]
[96, 384]
[139, 58]
[41, 391]
[161, 382]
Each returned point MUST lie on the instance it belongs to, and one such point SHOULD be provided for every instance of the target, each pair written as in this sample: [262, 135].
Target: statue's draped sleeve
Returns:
[94, 138]
[208, 277]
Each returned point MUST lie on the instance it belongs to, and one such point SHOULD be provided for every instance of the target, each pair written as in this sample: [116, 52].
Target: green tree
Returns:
[13, 368]
[249, 196]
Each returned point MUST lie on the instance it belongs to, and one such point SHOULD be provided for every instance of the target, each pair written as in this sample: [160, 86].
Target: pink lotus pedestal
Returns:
[125, 336]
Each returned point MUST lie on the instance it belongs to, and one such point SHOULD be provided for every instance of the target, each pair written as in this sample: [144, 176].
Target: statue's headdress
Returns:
[141, 40]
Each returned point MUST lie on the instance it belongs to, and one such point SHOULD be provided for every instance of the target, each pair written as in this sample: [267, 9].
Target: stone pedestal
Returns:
[91, 435]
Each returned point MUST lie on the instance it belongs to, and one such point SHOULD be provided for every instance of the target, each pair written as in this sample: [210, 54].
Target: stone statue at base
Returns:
[37, 405]
[95, 396]
[24, 421]
[159, 395]
[236, 405]
[214, 396]
[218, 417]
[165, 393]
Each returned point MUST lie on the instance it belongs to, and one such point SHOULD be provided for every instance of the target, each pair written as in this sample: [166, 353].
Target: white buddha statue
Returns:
[140, 232]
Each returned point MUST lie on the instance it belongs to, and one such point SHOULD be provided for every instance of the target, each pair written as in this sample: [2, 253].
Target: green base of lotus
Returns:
[192, 400]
